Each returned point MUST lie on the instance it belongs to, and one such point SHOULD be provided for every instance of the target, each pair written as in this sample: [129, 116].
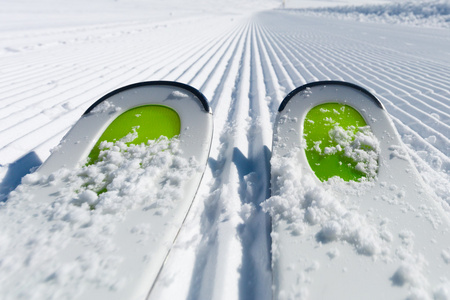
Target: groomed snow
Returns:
[58, 58]
[432, 13]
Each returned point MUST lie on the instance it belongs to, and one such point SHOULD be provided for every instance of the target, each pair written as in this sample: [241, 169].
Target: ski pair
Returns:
[345, 196]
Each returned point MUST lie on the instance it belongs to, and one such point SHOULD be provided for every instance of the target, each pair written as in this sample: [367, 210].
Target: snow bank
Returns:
[427, 14]
[90, 204]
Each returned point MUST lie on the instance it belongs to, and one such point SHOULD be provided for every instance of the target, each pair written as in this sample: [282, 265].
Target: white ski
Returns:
[383, 236]
[105, 227]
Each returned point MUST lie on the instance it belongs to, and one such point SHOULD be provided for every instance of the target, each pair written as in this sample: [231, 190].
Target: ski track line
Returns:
[228, 265]
[122, 56]
[233, 147]
[210, 63]
[310, 68]
[54, 113]
[202, 48]
[23, 122]
[295, 78]
[256, 278]
[105, 33]
[380, 69]
[373, 59]
[299, 59]
[177, 69]
[422, 71]
[57, 94]
[216, 104]
[274, 92]
[416, 106]
[212, 242]
[200, 65]
[282, 76]
[412, 86]
[212, 84]
[87, 57]
[375, 63]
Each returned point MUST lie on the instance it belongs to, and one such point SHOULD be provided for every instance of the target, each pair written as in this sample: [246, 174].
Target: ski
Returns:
[110, 200]
[351, 217]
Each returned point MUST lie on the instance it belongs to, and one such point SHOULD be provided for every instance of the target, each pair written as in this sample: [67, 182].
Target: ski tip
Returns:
[328, 84]
[194, 91]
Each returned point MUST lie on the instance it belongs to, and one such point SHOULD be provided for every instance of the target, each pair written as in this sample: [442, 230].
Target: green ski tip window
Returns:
[150, 122]
[333, 134]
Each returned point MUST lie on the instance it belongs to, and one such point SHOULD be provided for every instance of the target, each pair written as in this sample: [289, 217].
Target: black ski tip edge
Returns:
[189, 88]
[329, 82]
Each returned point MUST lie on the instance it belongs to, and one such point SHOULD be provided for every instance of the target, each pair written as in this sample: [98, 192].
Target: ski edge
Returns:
[328, 83]
[194, 91]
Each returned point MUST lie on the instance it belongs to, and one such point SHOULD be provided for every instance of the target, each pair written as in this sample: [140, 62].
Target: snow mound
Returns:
[426, 14]
[302, 201]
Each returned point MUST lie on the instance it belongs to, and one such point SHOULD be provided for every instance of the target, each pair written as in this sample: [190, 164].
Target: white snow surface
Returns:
[59, 57]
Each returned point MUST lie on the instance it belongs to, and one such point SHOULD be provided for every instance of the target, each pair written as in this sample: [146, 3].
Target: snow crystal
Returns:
[89, 203]
[317, 146]
[406, 273]
[306, 92]
[333, 253]
[407, 237]
[398, 152]
[410, 272]
[431, 139]
[313, 267]
[246, 211]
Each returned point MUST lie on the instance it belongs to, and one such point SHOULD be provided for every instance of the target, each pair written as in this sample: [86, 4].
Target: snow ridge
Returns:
[423, 13]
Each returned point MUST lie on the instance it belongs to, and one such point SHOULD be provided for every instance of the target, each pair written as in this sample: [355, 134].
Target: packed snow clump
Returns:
[360, 146]
[88, 206]
[302, 201]
[105, 106]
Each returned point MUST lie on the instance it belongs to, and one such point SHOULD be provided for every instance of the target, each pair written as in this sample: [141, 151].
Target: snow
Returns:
[146, 176]
[431, 13]
[105, 106]
[59, 57]
[356, 147]
[302, 202]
